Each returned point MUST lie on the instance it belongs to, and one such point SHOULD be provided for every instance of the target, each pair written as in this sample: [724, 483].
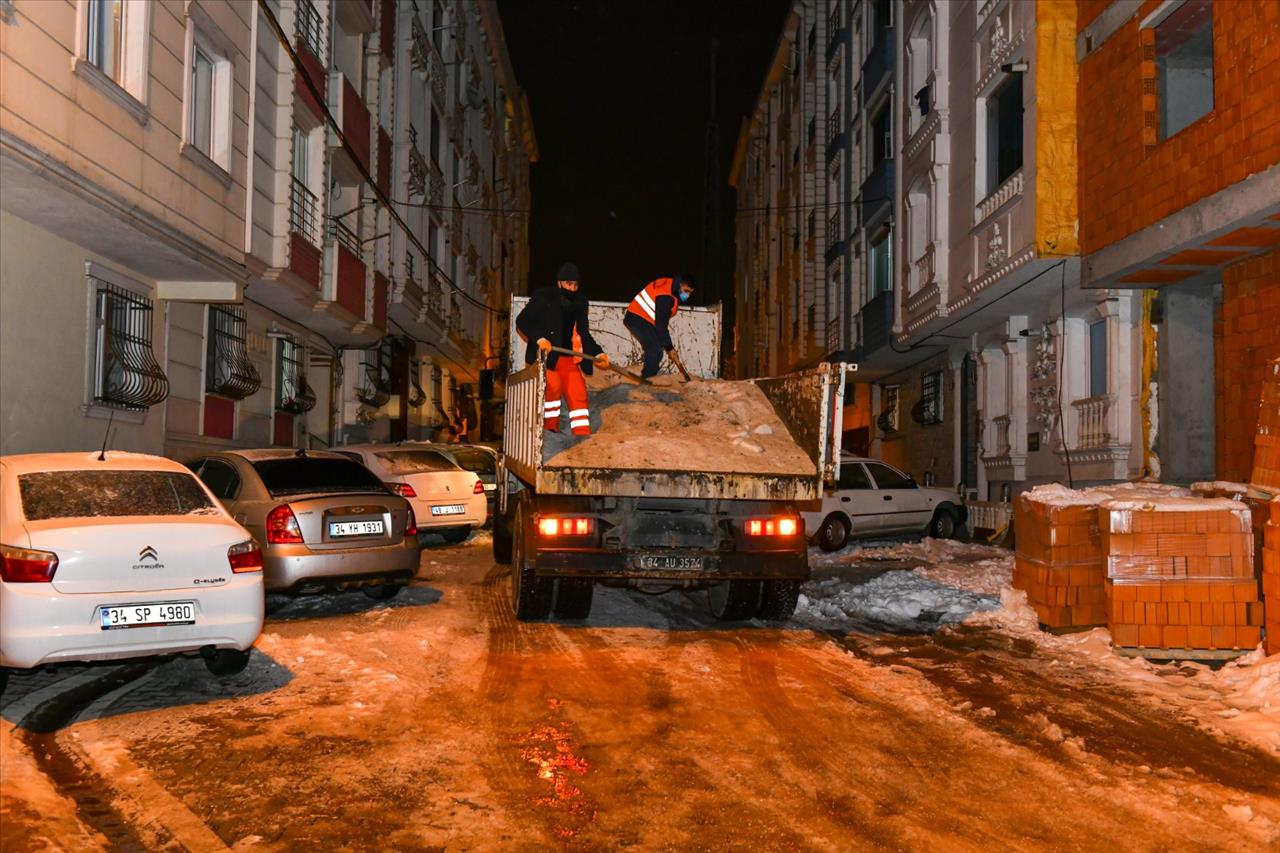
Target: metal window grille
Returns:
[311, 30]
[293, 394]
[304, 212]
[888, 420]
[228, 370]
[930, 409]
[126, 372]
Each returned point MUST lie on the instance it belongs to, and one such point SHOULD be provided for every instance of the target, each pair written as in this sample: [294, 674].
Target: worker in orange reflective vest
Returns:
[651, 311]
[557, 316]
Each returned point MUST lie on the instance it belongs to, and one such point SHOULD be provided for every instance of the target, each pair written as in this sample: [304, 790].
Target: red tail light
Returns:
[282, 527]
[784, 526]
[404, 490]
[565, 526]
[245, 557]
[479, 489]
[411, 527]
[23, 565]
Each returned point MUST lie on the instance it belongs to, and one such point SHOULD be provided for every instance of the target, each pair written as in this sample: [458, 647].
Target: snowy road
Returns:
[437, 721]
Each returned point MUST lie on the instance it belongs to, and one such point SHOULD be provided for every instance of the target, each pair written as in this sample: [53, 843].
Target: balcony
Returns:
[877, 323]
[835, 145]
[426, 59]
[349, 274]
[313, 57]
[837, 39]
[922, 271]
[1003, 194]
[304, 234]
[1093, 423]
[877, 189]
[879, 63]
[834, 252]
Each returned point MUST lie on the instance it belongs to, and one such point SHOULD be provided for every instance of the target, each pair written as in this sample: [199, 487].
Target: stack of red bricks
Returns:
[1180, 576]
[1266, 441]
[1271, 577]
[1059, 561]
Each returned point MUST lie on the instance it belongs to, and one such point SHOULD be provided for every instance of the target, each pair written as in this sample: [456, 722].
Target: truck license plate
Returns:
[148, 615]
[654, 561]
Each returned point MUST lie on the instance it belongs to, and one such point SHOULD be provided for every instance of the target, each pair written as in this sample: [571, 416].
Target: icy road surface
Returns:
[908, 706]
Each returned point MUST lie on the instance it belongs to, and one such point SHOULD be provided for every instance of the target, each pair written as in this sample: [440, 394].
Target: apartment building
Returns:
[228, 208]
[1180, 210]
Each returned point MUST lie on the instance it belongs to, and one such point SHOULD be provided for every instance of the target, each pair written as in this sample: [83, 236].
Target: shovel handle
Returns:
[640, 380]
[679, 365]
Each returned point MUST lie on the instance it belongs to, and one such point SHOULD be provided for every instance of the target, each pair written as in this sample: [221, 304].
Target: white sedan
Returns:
[121, 555]
[873, 499]
[446, 499]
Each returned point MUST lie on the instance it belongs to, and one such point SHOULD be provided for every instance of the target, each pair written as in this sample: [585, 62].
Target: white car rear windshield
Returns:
[302, 475]
[475, 460]
[414, 461]
[110, 493]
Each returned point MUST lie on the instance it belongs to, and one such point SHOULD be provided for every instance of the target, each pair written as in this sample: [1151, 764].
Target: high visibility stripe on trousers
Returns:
[566, 381]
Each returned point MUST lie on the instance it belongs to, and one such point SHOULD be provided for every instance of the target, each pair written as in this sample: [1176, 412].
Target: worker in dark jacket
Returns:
[557, 317]
[649, 314]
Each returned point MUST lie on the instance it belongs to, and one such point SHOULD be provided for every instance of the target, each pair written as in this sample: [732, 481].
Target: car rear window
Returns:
[298, 475]
[475, 460]
[109, 493]
[415, 461]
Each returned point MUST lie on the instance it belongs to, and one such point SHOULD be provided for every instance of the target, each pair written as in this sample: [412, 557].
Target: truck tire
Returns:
[501, 540]
[778, 600]
[573, 598]
[734, 600]
[530, 594]
[834, 532]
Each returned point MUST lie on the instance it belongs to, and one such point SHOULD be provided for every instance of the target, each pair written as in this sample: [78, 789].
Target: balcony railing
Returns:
[1002, 194]
[304, 212]
[343, 233]
[1003, 447]
[1093, 427]
[922, 270]
[311, 31]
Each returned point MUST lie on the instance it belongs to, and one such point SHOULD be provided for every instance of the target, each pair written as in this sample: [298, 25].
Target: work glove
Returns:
[544, 344]
[602, 360]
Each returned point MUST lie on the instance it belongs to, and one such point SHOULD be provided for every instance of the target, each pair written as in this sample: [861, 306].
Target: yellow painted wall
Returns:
[1057, 187]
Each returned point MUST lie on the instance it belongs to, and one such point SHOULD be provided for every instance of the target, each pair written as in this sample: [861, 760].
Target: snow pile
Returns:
[970, 567]
[1058, 495]
[897, 600]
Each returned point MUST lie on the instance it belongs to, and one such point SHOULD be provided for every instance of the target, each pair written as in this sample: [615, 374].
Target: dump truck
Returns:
[673, 521]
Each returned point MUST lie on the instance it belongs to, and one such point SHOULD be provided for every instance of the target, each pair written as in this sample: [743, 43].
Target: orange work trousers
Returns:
[565, 381]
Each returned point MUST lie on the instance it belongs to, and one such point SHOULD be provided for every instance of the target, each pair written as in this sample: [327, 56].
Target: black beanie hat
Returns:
[568, 272]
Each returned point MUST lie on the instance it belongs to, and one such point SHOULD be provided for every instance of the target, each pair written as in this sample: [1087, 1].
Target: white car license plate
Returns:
[448, 509]
[148, 615]
[355, 528]
[651, 561]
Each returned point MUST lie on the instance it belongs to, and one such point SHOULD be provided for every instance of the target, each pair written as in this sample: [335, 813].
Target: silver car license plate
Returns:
[148, 615]
[665, 561]
[448, 509]
[355, 528]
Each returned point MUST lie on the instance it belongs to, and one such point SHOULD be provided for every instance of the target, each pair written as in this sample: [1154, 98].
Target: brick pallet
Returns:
[1266, 442]
[1059, 562]
[1271, 579]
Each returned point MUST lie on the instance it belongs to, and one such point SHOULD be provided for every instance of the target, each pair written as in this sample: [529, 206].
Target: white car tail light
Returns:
[404, 490]
[23, 565]
[479, 488]
[245, 557]
[282, 527]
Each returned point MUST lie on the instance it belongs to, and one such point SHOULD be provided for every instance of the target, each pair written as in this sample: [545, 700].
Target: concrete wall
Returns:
[1186, 375]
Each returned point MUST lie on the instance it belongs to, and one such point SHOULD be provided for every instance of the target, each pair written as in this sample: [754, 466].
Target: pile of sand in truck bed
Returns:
[704, 425]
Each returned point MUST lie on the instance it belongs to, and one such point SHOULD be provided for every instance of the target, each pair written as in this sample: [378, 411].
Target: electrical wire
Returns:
[301, 70]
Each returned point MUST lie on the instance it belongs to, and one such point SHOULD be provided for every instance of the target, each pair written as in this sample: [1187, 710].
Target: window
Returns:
[1184, 65]
[920, 66]
[888, 478]
[1098, 358]
[125, 370]
[881, 142]
[435, 137]
[208, 99]
[1004, 132]
[833, 229]
[221, 479]
[311, 31]
[106, 36]
[931, 398]
[304, 207]
[228, 370]
[293, 394]
[299, 475]
[853, 476]
[883, 12]
[114, 50]
[880, 262]
[888, 420]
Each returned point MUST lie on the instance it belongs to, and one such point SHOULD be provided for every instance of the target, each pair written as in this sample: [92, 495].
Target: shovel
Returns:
[679, 365]
[639, 380]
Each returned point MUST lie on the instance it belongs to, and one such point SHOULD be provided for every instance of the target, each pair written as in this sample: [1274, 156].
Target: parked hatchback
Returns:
[876, 499]
[325, 521]
[121, 555]
[446, 499]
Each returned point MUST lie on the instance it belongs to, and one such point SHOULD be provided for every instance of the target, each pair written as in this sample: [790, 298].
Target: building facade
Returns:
[254, 224]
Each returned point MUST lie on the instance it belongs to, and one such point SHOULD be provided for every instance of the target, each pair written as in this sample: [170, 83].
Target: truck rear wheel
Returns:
[573, 598]
[734, 600]
[501, 540]
[778, 600]
[530, 594]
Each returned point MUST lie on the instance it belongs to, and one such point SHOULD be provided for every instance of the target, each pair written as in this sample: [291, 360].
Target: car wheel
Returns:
[382, 591]
[573, 598]
[834, 533]
[943, 525]
[227, 661]
[455, 535]
[778, 600]
[734, 600]
[530, 594]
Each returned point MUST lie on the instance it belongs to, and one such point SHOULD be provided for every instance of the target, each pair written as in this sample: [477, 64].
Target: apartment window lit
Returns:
[208, 119]
[880, 262]
[228, 369]
[1098, 358]
[1184, 65]
[1004, 132]
[126, 372]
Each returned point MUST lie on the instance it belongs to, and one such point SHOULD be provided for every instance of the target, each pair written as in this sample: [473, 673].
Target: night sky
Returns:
[618, 90]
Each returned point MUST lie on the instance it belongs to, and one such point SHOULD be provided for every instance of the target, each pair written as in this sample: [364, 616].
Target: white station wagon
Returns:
[875, 499]
[121, 555]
